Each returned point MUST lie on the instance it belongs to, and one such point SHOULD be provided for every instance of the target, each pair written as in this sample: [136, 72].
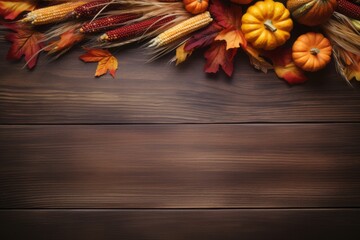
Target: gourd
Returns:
[196, 6]
[311, 12]
[267, 24]
[311, 51]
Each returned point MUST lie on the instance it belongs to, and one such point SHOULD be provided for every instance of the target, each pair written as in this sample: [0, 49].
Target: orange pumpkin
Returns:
[311, 12]
[241, 1]
[196, 6]
[311, 51]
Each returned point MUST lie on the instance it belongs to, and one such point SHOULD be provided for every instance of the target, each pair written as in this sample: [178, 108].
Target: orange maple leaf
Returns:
[106, 61]
[26, 42]
[11, 9]
[234, 38]
[66, 41]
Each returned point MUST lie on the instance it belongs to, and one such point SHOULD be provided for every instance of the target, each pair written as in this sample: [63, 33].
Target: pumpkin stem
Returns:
[269, 25]
[314, 51]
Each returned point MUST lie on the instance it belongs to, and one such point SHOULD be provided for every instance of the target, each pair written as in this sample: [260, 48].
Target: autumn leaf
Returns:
[284, 66]
[352, 65]
[66, 41]
[106, 61]
[11, 9]
[221, 13]
[234, 38]
[217, 56]
[182, 54]
[203, 38]
[229, 17]
[256, 59]
[26, 42]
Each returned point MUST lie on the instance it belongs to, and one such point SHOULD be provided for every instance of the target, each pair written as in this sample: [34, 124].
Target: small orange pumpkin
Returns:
[311, 51]
[311, 12]
[196, 6]
[241, 1]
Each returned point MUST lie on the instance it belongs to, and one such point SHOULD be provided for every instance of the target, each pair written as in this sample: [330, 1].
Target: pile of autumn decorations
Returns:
[264, 30]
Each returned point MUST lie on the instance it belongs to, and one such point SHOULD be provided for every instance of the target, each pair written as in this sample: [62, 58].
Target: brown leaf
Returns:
[11, 9]
[256, 59]
[217, 56]
[26, 42]
[106, 61]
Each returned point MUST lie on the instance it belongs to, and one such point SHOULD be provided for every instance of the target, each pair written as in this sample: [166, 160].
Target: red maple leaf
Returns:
[217, 56]
[26, 42]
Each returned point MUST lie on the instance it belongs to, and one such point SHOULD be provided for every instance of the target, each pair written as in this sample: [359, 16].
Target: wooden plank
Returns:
[180, 166]
[190, 224]
[66, 92]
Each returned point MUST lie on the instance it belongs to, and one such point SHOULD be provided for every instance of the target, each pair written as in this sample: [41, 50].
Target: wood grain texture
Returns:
[178, 225]
[65, 91]
[180, 166]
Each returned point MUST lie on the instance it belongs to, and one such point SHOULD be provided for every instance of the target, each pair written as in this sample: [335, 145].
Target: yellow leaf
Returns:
[182, 54]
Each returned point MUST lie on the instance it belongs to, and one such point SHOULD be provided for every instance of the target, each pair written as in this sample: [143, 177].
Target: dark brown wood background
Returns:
[172, 153]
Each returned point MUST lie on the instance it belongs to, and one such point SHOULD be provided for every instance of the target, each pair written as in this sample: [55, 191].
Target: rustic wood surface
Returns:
[180, 166]
[172, 153]
[65, 91]
[181, 224]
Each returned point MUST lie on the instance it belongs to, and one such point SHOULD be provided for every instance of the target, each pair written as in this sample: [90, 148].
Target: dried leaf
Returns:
[203, 38]
[284, 66]
[182, 54]
[352, 67]
[217, 56]
[66, 41]
[11, 9]
[26, 42]
[257, 60]
[106, 61]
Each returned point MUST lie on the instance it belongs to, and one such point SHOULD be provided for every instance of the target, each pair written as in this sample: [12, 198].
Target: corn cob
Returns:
[349, 9]
[52, 14]
[91, 8]
[182, 29]
[136, 29]
[105, 23]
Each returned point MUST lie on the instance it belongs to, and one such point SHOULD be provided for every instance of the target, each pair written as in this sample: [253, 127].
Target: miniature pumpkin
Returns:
[311, 51]
[196, 6]
[267, 24]
[241, 1]
[311, 12]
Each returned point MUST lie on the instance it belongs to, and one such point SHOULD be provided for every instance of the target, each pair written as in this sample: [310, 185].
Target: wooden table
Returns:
[165, 152]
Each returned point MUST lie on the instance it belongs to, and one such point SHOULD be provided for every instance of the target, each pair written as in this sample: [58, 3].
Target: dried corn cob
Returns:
[105, 23]
[52, 14]
[182, 29]
[349, 9]
[91, 8]
[136, 29]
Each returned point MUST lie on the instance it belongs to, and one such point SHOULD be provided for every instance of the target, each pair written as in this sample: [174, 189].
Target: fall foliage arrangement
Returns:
[264, 30]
